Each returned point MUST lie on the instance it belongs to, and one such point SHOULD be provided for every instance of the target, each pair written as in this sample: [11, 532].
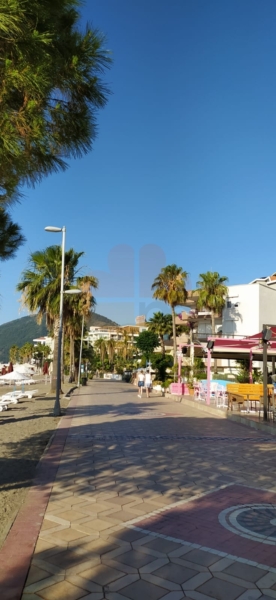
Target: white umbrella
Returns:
[24, 369]
[13, 376]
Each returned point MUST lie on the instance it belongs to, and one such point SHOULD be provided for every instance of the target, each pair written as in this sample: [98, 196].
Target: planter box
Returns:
[179, 389]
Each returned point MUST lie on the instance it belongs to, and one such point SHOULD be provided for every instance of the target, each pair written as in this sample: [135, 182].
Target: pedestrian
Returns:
[141, 383]
[148, 382]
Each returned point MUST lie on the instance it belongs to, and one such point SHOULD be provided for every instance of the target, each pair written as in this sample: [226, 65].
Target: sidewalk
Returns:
[152, 499]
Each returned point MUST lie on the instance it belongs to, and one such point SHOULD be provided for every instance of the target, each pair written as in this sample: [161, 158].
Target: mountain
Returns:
[23, 330]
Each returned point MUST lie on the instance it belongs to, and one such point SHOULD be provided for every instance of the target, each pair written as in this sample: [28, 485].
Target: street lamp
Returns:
[51, 229]
[63, 231]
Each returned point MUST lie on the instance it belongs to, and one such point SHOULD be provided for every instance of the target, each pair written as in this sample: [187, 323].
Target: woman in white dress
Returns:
[141, 383]
[148, 382]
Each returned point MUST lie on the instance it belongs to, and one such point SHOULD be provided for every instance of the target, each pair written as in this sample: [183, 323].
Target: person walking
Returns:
[141, 383]
[148, 382]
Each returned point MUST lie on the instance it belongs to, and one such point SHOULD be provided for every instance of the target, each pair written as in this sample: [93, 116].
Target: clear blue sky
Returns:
[185, 156]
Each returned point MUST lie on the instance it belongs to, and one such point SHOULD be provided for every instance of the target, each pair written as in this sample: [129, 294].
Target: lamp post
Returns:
[63, 231]
[266, 337]
[52, 229]
[209, 347]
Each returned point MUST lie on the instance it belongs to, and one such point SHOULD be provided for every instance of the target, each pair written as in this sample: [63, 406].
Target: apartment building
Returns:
[117, 333]
[247, 308]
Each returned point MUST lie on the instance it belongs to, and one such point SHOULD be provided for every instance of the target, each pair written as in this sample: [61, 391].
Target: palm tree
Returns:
[110, 347]
[14, 353]
[192, 323]
[10, 236]
[211, 295]
[170, 287]
[26, 352]
[75, 308]
[125, 346]
[162, 325]
[100, 345]
[40, 287]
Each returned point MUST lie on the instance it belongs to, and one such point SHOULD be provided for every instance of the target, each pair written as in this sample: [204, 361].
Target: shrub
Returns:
[167, 383]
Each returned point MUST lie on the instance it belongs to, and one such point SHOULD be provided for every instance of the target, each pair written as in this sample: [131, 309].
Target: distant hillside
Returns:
[26, 329]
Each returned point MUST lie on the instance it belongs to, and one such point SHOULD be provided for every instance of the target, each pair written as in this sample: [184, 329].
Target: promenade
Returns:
[152, 499]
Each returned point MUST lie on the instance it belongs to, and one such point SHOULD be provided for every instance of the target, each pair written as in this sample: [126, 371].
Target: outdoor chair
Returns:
[222, 397]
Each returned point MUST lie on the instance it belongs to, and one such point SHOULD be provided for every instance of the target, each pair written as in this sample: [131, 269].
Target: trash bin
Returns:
[83, 380]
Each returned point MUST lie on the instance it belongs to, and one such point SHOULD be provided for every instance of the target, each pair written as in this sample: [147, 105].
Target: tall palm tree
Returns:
[170, 286]
[162, 325]
[212, 292]
[40, 287]
[110, 347]
[100, 346]
[124, 346]
[77, 307]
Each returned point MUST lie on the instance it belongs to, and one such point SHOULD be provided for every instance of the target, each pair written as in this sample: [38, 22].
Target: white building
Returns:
[106, 332]
[45, 341]
[247, 308]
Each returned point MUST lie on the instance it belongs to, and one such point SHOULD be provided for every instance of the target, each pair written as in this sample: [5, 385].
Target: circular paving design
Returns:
[253, 521]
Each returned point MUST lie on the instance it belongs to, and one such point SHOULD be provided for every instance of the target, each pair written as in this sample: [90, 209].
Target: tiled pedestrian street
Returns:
[153, 499]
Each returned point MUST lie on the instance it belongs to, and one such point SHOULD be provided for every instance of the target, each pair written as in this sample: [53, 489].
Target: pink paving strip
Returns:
[197, 522]
[17, 551]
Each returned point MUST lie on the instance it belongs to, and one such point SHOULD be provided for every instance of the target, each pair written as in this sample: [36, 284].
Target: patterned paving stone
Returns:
[175, 573]
[220, 590]
[135, 559]
[36, 574]
[200, 557]
[101, 574]
[244, 571]
[65, 560]
[70, 515]
[164, 546]
[65, 535]
[129, 535]
[143, 589]
[62, 590]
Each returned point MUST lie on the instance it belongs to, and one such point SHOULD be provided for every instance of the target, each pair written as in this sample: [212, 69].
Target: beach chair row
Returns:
[14, 397]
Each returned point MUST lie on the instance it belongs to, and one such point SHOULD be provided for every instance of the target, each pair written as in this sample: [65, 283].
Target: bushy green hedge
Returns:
[167, 383]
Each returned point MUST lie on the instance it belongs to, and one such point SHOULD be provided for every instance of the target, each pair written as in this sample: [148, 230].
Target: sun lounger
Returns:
[13, 397]
[28, 394]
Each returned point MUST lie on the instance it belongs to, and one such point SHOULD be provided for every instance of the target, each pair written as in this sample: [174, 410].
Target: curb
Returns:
[19, 545]
[208, 409]
[72, 389]
[258, 426]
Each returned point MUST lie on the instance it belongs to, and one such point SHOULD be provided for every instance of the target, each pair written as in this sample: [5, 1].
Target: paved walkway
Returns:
[153, 500]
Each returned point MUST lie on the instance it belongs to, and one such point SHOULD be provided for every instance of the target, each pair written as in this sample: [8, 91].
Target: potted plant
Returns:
[191, 386]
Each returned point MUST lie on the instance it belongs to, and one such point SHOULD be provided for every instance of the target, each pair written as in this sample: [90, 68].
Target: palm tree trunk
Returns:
[214, 333]
[72, 358]
[162, 345]
[55, 355]
[62, 358]
[75, 374]
[192, 352]
[174, 337]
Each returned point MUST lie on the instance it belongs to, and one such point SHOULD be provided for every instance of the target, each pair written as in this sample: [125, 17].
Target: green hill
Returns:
[26, 329]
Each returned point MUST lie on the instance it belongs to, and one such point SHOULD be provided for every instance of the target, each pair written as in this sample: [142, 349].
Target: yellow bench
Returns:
[238, 393]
